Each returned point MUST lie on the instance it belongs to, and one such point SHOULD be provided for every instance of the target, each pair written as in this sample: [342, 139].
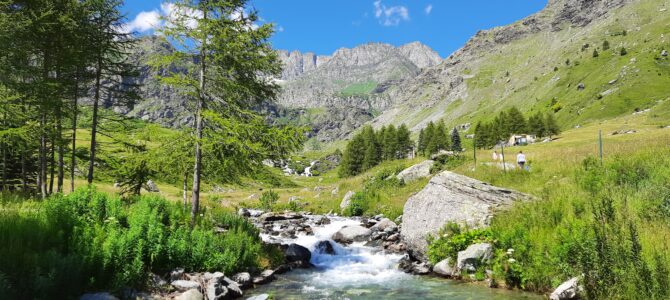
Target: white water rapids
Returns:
[359, 272]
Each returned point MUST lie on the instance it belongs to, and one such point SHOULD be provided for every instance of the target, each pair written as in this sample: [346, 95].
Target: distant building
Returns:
[521, 139]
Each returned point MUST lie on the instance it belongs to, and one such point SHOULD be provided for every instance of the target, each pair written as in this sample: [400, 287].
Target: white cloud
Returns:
[144, 21]
[390, 16]
[280, 29]
[428, 9]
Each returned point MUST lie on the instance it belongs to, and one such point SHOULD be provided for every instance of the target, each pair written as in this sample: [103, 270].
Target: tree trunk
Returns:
[195, 203]
[59, 143]
[52, 164]
[185, 189]
[94, 124]
[43, 158]
[75, 112]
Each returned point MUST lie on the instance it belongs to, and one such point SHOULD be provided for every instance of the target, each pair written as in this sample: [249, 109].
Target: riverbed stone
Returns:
[383, 225]
[297, 253]
[265, 277]
[185, 285]
[260, 297]
[192, 294]
[567, 290]
[350, 234]
[445, 267]
[416, 172]
[243, 279]
[471, 257]
[325, 247]
[450, 197]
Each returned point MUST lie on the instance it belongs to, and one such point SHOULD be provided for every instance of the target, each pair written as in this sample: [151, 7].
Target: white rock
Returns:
[184, 285]
[415, 172]
[445, 267]
[191, 294]
[475, 253]
[346, 201]
[567, 290]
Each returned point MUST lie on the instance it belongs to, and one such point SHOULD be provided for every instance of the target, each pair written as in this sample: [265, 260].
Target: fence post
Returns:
[502, 152]
[600, 145]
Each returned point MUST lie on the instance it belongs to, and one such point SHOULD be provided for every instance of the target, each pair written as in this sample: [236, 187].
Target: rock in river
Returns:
[297, 253]
[350, 234]
[450, 197]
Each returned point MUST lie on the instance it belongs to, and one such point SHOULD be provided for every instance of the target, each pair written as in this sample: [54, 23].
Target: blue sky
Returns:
[324, 26]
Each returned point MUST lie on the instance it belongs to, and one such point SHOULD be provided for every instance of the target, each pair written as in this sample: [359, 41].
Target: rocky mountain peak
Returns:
[421, 55]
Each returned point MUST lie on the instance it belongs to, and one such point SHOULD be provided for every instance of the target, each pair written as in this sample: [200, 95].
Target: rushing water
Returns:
[360, 272]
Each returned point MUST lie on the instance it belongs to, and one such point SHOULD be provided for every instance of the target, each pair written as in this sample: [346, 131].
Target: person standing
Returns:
[495, 155]
[521, 160]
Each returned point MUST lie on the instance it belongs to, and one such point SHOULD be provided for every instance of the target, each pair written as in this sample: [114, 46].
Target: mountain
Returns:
[542, 63]
[546, 63]
[332, 94]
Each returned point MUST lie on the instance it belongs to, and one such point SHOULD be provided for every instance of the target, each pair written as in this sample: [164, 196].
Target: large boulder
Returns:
[346, 200]
[567, 290]
[185, 285]
[297, 253]
[471, 257]
[445, 268]
[450, 197]
[350, 234]
[415, 172]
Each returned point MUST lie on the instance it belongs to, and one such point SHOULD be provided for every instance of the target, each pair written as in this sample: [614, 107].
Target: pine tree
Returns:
[550, 125]
[595, 53]
[623, 51]
[536, 124]
[606, 45]
[456, 141]
[405, 144]
[439, 140]
[234, 59]
[352, 158]
[371, 156]
[479, 139]
[516, 122]
[421, 142]
[427, 138]
[390, 143]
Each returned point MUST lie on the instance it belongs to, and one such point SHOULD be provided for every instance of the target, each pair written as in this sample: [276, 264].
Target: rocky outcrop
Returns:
[450, 197]
[346, 200]
[415, 172]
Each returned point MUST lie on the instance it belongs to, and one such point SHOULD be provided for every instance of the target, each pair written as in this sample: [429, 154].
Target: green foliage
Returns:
[595, 53]
[269, 199]
[453, 238]
[623, 51]
[369, 147]
[511, 122]
[90, 241]
[456, 141]
[606, 45]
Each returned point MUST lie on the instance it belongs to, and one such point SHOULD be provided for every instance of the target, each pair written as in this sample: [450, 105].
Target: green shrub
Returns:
[269, 199]
[90, 241]
[452, 239]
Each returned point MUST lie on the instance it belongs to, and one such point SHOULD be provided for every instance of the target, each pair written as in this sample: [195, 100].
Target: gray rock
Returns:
[177, 274]
[98, 296]
[325, 247]
[192, 294]
[297, 253]
[346, 201]
[450, 197]
[445, 268]
[415, 172]
[581, 86]
[152, 187]
[243, 212]
[243, 279]
[265, 277]
[567, 290]
[470, 258]
[349, 234]
[664, 53]
[185, 285]
[384, 225]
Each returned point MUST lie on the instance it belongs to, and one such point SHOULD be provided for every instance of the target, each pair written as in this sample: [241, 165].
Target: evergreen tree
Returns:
[439, 140]
[352, 158]
[390, 143]
[479, 139]
[623, 51]
[550, 125]
[515, 124]
[595, 53]
[427, 138]
[536, 124]
[405, 144]
[371, 157]
[456, 141]
[606, 45]
[421, 143]
[234, 63]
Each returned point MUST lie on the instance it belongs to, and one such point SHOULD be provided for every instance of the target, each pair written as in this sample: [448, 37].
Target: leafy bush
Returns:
[269, 199]
[89, 240]
[452, 239]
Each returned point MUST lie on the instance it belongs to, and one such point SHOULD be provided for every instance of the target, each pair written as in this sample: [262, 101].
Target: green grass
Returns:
[358, 89]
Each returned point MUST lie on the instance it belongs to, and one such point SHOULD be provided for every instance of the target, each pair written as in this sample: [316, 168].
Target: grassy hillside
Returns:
[542, 71]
